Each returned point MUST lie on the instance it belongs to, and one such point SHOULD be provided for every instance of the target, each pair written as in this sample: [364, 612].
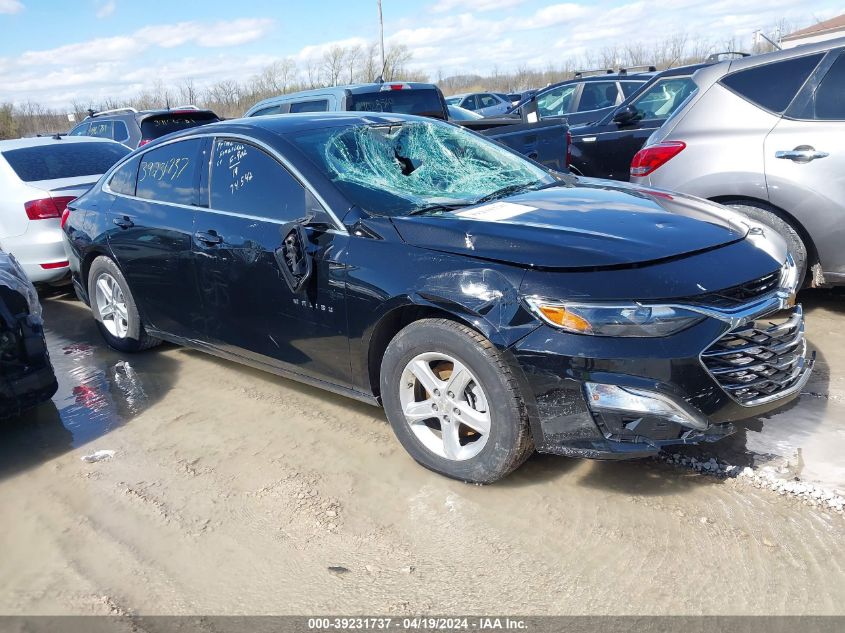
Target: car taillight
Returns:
[47, 208]
[65, 216]
[54, 265]
[144, 141]
[568, 148]
[650, 158]
[395, 87]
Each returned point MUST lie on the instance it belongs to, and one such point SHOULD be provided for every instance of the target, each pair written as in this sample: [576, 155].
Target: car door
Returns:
[151, 235]
[244, 244]
[805, 161]
[490, 105]
[557, 101]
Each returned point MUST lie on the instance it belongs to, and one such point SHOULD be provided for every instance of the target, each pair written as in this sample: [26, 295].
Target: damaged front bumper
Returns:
[617, 398]
[26, 374]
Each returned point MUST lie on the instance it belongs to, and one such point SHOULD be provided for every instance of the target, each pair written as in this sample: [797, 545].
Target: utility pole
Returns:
[381, 37]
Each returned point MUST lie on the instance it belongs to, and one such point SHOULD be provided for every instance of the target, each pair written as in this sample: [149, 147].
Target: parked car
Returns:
[547, 142]
[490, 305]
[134, 128]
[457, 113]
[38, 177]
[586, 98]
[765, 135]
[604, 149]
[483, 103]
[28, 377]
[517, 97]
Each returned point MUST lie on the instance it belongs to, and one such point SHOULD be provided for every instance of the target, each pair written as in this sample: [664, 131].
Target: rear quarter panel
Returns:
[724, 136]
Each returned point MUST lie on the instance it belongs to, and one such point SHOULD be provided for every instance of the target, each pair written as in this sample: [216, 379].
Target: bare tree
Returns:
[333, 63]
[188, 93]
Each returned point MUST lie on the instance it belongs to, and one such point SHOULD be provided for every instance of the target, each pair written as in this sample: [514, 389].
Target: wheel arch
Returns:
[812, 253]
[400, 316]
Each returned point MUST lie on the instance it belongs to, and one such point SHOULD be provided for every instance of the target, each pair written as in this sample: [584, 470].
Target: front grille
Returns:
[759, 359]
[741, 294]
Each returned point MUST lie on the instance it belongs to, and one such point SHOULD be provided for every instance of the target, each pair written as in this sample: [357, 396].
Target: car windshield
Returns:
[64, 160]
[412, 166]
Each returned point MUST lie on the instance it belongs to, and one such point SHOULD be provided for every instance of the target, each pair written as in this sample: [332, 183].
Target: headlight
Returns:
[614, 320]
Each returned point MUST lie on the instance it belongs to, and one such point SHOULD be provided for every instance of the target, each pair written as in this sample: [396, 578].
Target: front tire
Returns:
[453, 403]
[114, 308]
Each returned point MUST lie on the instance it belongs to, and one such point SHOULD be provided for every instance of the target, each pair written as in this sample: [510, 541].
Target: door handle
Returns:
[801, 154]
[209, 238]
[124, 222]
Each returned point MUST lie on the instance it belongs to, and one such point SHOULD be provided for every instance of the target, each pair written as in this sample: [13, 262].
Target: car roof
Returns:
[283, 124]
[788, 53]
[361, 88]
[39, 141]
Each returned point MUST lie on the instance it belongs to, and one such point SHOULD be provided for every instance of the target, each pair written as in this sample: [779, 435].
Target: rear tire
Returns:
[453, 403]
[114, 308]
[764, 214]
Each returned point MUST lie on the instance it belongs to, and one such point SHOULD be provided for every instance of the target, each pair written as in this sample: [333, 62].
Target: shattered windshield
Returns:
[413, 166]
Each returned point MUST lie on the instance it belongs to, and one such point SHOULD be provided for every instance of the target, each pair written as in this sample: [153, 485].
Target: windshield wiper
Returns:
[438, 207]
[515, 188]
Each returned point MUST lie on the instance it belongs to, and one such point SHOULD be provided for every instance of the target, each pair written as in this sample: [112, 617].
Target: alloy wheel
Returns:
[445, 406]
[111, 305]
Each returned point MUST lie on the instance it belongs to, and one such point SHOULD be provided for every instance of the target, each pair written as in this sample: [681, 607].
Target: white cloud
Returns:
[118, 47]
[106, 9]
[10, 6]
[444, 6]
[462, 39]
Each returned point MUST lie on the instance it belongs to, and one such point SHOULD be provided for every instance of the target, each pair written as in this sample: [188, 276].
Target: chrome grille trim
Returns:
[754, 363]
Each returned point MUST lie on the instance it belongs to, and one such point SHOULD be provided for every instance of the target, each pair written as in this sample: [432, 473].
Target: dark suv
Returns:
[587, 98]
[134, 128]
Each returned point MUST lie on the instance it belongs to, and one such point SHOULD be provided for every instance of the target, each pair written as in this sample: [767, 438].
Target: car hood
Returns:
[587, 224]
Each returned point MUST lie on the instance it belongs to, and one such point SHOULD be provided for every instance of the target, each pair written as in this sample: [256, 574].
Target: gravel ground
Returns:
[172, 482]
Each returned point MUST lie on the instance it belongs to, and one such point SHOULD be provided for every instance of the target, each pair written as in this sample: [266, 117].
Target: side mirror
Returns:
[626, 115]
[292, 257]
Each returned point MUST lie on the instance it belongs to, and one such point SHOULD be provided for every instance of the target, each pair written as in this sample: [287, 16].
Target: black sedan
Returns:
[604, 149]
[490, 305]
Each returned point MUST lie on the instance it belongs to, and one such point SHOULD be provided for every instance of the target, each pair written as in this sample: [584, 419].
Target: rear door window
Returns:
[829, 100]
[320, 105]
[246, 179]
[101, 129]
[121, 132]
[169, 173]
[773, 86]
[630, 87]
[158, 125]
[597, 95]
[124, 177]
[64, 160]
[488, 101]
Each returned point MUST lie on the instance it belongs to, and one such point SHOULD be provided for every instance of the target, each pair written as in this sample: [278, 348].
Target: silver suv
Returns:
[766, 136]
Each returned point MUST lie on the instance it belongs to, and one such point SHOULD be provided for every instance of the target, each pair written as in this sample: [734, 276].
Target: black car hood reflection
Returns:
[581, 226]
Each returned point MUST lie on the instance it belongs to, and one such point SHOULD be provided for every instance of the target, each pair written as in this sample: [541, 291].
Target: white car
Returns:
[38, 177]
[483, 103]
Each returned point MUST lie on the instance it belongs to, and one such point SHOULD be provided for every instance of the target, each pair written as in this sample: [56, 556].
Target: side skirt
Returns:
[308, 380]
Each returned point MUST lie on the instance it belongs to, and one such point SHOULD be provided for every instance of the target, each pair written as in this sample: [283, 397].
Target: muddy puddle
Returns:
[99, 388]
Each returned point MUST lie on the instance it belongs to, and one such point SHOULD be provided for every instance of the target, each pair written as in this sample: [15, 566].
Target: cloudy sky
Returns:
[54, 51]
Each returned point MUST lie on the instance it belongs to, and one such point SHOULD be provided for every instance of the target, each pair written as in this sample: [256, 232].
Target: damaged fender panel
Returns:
[484, 295]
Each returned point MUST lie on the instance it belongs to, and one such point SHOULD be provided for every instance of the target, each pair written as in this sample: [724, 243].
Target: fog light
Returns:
[640, 402]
